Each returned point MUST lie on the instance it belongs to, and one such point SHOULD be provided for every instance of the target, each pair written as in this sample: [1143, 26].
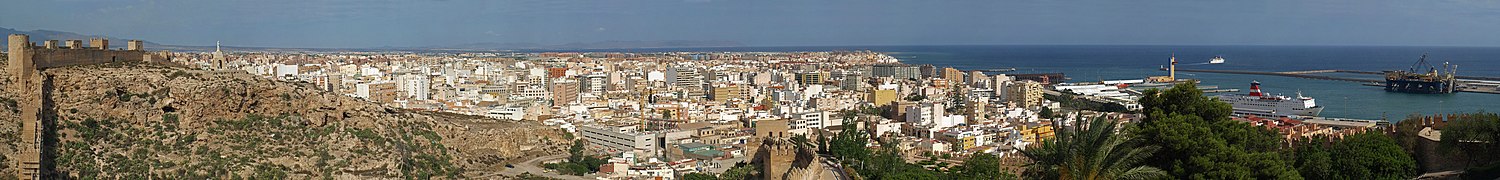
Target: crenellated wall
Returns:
[49, 58]
[25, 56]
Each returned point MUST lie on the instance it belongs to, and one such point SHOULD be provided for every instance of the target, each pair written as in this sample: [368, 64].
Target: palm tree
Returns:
[1096, 150]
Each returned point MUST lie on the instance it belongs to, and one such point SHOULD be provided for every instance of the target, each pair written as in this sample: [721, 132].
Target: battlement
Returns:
[99, 43]
[74, 44]
[94, 44]
[26, 55]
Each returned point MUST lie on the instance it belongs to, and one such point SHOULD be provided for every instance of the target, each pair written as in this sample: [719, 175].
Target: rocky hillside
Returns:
[10, 125]
[134, 121]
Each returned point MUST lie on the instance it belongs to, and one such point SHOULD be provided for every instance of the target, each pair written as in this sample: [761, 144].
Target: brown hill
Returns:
[136, 121]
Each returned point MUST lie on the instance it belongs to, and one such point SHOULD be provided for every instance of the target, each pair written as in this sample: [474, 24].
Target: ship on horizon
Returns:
[1259, 104]
[1216, 60]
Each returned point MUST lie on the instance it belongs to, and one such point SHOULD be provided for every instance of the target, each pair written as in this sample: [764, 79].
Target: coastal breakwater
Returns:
[1466, 83]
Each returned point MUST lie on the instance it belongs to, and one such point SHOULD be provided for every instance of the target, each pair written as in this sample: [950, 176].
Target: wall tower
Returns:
[134, 45]
[99, 43]
[74, 44]
[20, 57]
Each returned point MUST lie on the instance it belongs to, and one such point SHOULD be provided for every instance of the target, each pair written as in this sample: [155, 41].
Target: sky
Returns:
[393, 23]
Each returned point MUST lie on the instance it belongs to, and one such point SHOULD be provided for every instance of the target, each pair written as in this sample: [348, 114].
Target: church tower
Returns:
[218, 56]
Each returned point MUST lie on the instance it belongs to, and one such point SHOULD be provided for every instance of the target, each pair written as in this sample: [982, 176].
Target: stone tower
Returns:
[23, 71]
[134, 45]
[20, 57]
[99, 43]
[780, 158]
[73, 44]
[218, 56]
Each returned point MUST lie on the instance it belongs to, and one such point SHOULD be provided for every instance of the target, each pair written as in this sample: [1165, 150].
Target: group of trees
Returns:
[1185, 135]
[1473, 138]
[578, 163]
[887, 162]
[740, 171]
[1466, 143]
[1074, 102]
[1091, 149]
[1199, 141]
[1470, 135]
[1369, 155]
[916, 97]
[1045, 113]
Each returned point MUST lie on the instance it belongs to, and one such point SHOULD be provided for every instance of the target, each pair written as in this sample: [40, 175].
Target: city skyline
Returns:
[746, 90]
[361, 24]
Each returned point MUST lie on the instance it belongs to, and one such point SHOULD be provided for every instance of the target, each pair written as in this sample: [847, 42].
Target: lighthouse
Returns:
[1171, 76]
[1172, 71]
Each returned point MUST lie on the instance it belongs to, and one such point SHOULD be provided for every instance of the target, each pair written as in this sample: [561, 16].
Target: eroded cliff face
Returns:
[130, 120]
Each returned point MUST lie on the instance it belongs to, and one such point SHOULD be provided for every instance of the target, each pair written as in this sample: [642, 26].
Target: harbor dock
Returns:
[1474, 84]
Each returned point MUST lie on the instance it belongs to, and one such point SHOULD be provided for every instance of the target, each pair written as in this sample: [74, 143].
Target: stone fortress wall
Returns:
[48, 58]
[26, 55]
[25, 64]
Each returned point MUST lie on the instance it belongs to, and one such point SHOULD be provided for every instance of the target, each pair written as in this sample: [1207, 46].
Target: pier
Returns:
[1474, 84]
[993, 70]
[1296, 74]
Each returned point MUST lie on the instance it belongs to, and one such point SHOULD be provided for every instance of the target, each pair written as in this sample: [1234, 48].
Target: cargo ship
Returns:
[1422, 78]
[1259, 104]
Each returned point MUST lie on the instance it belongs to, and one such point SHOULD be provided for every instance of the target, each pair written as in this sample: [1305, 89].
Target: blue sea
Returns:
[1082, 63]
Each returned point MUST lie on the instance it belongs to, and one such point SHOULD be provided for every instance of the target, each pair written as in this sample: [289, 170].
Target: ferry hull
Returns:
[1314, 111]
[1420, 87]
[1309, 112]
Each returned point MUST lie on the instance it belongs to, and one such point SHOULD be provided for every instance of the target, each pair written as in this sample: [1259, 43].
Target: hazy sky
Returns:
[373, 23]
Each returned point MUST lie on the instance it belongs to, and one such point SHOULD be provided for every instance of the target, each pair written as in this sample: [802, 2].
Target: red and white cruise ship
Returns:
[1262, 105]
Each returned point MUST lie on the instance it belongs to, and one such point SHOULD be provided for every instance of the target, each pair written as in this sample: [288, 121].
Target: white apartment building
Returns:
[924, 113]
[620, 138]
[415, 86]
[809, 120]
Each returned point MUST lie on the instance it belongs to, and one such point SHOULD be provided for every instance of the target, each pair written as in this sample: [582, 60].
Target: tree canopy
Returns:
[1200, 142]
[979, 166]
[1090, 148]
[887, 162]
[1474, 137]
[1368, 155]
[740, 171]
[698, 176]
[579, 163]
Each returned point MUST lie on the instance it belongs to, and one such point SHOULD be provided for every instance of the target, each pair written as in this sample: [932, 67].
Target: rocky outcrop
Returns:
[134, 121]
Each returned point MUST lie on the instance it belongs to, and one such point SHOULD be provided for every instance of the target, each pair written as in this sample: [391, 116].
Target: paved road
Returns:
[530, 166]
[833, 165]
[1440, 175]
